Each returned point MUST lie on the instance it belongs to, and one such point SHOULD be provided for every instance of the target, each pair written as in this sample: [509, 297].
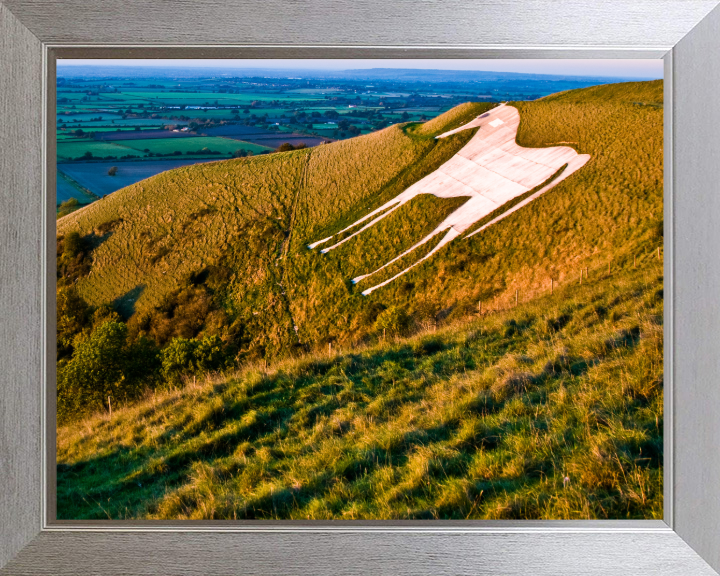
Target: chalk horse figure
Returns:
[491, 169]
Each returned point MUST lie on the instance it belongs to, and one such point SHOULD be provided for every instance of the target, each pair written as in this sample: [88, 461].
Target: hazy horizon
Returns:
[596, 68]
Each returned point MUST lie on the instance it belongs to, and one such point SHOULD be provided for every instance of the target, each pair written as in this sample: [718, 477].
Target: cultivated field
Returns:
[225, 146]
[72, 150]
[144, 135]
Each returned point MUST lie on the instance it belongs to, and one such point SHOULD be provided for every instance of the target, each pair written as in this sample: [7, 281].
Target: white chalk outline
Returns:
[491, 170]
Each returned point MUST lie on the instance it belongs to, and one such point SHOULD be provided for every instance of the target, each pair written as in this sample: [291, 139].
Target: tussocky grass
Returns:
[552, 409]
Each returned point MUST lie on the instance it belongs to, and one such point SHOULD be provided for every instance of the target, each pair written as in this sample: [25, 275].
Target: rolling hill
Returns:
[406, 403]
[249, 221]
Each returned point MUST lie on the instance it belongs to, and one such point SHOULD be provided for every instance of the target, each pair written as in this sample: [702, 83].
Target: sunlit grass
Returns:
[549, 410]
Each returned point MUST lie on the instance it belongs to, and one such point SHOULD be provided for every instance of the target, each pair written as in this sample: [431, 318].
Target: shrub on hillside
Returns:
[68, 207]
[394, 320]
[73, 316]
[73, 244]
[185, 356]
[72, 258]
[103, 366]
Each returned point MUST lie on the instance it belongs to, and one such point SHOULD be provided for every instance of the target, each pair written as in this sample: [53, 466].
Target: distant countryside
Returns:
[115, 128]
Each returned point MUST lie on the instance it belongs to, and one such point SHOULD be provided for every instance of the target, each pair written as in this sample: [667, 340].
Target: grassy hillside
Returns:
[552, 409]
[606, 211]
[250, 220]
[403, 404]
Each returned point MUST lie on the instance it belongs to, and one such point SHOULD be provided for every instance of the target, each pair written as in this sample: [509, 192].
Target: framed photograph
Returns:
[428, 291]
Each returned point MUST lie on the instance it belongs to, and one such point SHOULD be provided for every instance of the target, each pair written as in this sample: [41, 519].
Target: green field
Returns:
[169, 145]
[70, 147]
[74, 96]
[71, 150]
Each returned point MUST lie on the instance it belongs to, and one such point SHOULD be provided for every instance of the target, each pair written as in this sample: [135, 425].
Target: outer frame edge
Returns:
[41, 537]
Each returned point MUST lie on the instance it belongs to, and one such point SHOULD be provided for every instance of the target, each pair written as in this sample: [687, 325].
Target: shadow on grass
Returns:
[125, 304]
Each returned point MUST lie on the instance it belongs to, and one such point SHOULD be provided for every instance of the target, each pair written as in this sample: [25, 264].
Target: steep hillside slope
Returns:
[248, 221]
[517, 373]
[235, 233]
[553, 409]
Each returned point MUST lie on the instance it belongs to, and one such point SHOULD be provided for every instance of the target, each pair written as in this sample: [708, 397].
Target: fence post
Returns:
[516, 297]
[479, 306]
[110, 407]
[658, 252]
[552, 285]
[581, 272]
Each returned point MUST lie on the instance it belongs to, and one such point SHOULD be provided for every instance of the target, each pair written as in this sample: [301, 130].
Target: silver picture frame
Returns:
[685, 33]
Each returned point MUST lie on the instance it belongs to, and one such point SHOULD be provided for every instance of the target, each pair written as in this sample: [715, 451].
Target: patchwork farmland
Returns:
[120, 119]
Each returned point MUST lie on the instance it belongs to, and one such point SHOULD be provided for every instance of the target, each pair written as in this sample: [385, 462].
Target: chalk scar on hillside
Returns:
[491, 169]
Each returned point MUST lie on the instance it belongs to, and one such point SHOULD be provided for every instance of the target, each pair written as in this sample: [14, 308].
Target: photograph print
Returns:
[359, 289]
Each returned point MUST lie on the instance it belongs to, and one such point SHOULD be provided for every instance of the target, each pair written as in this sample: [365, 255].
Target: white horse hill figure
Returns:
[491, 169]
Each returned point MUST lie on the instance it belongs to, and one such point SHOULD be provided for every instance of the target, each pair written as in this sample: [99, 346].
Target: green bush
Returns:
[74, 244]
[67, 207]
[393, 320]
[178, 358]
[105, 365]
[185, 356]
[73, 316]
[210, 354]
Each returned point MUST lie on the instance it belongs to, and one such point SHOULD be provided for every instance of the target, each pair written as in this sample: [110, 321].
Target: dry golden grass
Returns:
[255, 217]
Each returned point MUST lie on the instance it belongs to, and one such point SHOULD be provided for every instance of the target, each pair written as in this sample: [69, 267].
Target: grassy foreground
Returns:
[552, 409]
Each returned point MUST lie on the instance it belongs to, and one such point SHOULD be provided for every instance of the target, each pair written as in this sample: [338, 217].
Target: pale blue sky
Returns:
[646, 69]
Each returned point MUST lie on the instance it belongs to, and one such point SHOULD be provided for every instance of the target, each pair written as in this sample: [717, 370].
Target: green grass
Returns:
[487, 422]
[169, 145]
[550, 410]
